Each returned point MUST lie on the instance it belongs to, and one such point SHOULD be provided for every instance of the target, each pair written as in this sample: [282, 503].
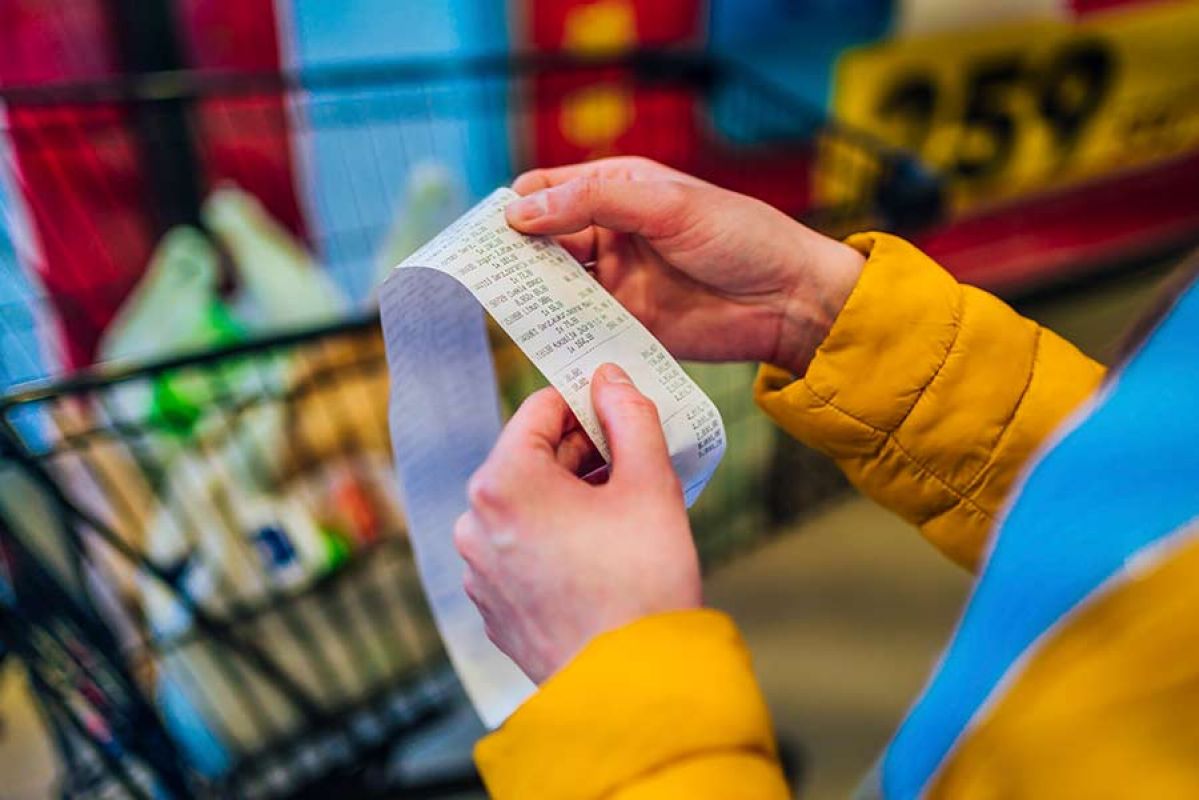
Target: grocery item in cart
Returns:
[282, 286]
[174, 308]
[338, 618]
[432, 200]
[280, 517]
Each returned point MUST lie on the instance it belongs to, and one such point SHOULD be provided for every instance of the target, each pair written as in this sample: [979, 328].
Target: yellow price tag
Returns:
[1021, 108]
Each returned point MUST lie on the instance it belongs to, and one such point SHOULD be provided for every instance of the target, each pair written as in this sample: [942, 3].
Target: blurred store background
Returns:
[205, 587]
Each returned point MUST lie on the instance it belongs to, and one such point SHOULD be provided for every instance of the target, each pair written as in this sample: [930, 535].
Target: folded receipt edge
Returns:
[444, 409]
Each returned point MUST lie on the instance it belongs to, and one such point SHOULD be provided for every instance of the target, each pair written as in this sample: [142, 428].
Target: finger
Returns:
[616, 167]
[518, 462]
[580, 245]
[471, 542]
[538, 425]
[652, 208]
[632, 427]
[473, 588]
[577, 455]
[527, 444]
[532, 181]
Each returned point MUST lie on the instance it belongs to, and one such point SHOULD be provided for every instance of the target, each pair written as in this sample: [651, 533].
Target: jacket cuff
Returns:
[867, 374]
[635, 700]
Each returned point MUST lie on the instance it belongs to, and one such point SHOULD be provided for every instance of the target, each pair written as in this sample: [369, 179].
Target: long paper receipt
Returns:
[445, 413]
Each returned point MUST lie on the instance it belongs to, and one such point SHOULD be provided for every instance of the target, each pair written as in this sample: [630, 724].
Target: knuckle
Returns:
[637, 404]
[641, 168]
[465, 541]
[542, 395]
[470, 584]
[674, 207]
[485, 490]
[591, 187]
[674, 195]
[626, 169]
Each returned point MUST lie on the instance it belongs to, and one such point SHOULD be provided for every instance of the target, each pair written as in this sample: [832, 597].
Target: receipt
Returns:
[445, 414]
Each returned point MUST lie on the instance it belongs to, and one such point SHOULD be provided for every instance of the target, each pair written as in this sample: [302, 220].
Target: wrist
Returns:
[827, 271]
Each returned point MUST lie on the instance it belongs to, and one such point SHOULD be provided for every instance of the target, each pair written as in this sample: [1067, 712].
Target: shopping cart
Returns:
[223, 510]
[101, 726]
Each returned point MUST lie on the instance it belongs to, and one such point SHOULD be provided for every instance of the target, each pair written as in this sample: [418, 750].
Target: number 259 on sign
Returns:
[1011, 110]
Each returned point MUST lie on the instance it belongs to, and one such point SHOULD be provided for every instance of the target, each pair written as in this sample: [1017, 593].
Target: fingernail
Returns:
[610, 373]
[528, 208]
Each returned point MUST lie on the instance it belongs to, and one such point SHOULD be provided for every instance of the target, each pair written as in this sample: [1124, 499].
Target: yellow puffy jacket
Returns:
[953, 408]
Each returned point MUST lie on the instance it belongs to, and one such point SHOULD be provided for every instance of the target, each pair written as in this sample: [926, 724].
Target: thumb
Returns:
[653, 208]
[631, 424]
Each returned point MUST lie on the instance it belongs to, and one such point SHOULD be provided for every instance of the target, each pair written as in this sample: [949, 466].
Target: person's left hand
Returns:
[553, 561]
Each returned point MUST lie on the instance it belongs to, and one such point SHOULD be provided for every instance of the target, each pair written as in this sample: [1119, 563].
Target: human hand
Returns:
[716, 275]
[553, 561]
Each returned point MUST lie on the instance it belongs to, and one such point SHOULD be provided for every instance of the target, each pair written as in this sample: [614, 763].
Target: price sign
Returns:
[1021, 108]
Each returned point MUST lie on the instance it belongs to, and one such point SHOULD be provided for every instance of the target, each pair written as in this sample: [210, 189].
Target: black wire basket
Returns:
[225, 509]
[279, 651]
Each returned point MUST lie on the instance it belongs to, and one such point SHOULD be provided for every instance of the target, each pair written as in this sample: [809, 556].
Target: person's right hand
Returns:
[716, 275]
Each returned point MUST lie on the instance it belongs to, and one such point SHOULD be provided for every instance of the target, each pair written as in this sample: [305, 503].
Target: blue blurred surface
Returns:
[361, 144]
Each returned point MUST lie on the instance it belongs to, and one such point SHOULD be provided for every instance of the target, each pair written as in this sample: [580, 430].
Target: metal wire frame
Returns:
[70, 663]
[369, 605]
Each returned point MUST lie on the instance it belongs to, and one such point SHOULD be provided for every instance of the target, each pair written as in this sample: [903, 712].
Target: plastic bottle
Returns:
[282, 283]
[432, 200]
[174, 308]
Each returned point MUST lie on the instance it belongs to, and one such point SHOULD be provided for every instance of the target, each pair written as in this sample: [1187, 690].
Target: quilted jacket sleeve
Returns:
[930, 395]
[666, 708]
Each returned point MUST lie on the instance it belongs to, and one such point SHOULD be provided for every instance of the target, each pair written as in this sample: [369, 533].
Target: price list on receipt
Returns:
[444, 408]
